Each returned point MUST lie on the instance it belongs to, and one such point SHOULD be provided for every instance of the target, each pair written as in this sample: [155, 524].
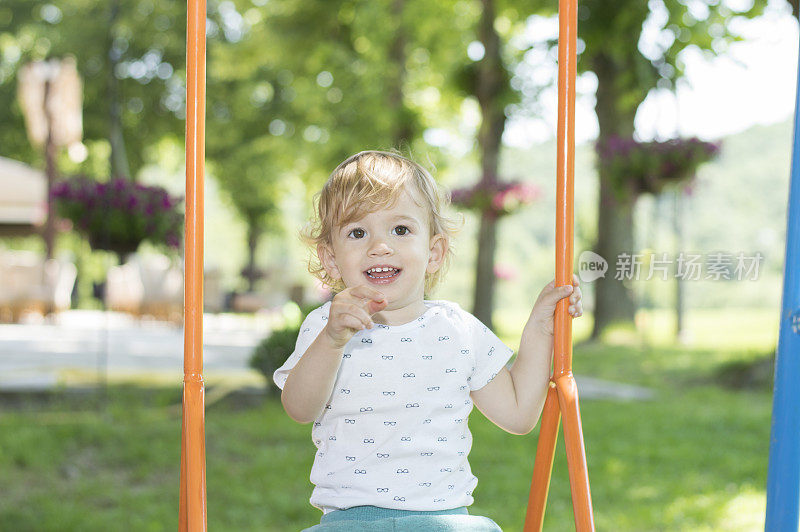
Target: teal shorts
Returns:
[375, 519]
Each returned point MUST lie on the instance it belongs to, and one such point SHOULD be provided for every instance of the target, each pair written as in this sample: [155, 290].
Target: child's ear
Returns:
[439, 246]
[325, 254]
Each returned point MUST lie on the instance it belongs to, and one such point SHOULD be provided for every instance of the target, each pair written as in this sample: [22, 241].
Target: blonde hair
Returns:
[364, 183]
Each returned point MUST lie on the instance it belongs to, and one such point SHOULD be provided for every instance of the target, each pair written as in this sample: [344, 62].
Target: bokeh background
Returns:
[684, 143]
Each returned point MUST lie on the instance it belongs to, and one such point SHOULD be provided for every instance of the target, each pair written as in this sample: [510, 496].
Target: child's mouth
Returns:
[382, 275]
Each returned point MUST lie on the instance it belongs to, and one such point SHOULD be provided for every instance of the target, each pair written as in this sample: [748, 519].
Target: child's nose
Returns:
[379, 247]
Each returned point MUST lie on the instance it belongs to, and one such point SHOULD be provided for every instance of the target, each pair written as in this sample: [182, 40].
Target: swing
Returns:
[562, 395]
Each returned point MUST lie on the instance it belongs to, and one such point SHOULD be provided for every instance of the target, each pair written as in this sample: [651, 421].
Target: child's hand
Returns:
[351, 311]
[545, 306]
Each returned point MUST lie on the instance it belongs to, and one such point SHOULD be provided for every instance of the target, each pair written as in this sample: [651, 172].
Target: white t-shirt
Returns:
[394, 433]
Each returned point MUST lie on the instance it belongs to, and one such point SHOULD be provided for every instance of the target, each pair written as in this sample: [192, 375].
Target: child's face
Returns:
[397, 238]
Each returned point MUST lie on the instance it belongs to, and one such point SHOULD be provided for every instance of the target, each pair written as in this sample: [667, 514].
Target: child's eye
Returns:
[356, 233]
[401, 230]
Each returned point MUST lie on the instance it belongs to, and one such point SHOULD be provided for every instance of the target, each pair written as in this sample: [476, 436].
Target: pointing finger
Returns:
[371, 300]
[366, 292]
[373, 306]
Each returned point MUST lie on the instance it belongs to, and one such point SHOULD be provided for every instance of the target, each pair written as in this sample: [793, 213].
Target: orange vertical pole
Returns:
[192, 511]
[543, 467]
[565, 173]
[576, 457]
[562, 384]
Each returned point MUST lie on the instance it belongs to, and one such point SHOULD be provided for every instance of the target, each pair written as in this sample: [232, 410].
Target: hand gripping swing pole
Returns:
[192, 512]
[562, 395]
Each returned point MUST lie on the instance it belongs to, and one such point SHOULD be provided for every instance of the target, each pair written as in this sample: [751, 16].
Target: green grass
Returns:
[694, 458]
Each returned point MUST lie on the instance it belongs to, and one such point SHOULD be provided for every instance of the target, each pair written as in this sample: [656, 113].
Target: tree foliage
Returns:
[296, 86]
[628, 67]
[148, 44]
[612, 32]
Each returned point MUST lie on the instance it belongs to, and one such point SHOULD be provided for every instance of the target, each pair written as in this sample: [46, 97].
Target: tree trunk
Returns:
[488, 89]
[484, 272]
[403, 133]
[677, 219]
[119, 158]
[251, 273]
[49, 232]
[614, 301]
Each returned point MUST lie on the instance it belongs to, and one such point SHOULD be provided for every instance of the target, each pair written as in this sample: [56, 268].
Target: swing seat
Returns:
[413, 523]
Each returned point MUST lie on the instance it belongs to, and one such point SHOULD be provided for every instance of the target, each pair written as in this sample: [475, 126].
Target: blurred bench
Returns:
[153, 286]
[28, 283]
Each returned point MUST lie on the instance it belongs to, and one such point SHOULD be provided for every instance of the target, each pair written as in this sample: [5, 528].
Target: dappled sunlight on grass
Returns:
[744, 512]
[754, 330]
[732, 510]
[509, 322]
[729, 328]
[649, 353]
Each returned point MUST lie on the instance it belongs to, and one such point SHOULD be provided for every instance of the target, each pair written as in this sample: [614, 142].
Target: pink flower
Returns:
[505, 272]
[496, 198]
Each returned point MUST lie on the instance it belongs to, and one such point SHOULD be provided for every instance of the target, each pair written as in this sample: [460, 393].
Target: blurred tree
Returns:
[491, 75]
[490, 86]
[379, 75]
[389, 72]
[297, 87]
[341, 66]
[130, 56]
[309, 84]
[627, 70]
[294, 86]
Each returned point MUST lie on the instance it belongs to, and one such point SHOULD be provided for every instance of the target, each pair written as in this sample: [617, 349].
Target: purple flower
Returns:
[652, 165]
[120, 213]
[60, 189]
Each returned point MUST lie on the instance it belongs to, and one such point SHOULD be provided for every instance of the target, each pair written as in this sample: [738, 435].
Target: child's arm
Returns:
[514, 399]
[310, 382]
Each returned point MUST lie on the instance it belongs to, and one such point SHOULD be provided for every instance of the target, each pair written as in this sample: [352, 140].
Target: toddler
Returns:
[388, 377]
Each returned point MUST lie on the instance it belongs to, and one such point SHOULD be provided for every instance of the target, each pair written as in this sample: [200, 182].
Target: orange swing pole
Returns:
[543, 466]
[192, 511]
[562, 396]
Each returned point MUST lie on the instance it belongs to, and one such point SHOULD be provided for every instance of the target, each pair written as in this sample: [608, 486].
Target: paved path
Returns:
[34, 356]
[40, 356]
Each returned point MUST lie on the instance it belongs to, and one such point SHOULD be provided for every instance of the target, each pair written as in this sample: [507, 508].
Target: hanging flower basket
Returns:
[119, 215]
[495, 199]
[648, 167]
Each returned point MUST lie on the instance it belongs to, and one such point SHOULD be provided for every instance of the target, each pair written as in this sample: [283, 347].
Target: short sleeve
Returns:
[490, 354]
[309, 330]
